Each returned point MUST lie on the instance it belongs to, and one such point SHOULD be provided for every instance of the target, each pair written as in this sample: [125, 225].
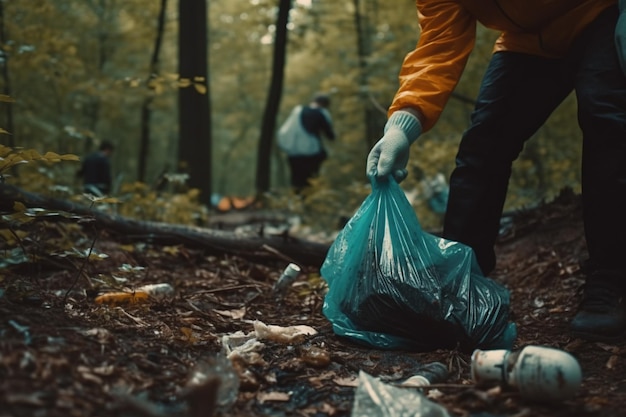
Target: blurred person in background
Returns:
[301, 138]
[96, 170]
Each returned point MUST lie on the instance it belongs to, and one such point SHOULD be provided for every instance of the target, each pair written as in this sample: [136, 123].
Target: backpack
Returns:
[294, 140]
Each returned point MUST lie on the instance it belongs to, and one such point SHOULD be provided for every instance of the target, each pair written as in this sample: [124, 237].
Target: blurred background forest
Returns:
[82, 71]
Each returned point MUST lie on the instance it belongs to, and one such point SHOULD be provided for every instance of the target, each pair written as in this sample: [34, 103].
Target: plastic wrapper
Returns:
[392, 285]
[375, 398]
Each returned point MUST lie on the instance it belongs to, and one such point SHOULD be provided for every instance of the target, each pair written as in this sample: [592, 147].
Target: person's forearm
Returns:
[431, 71]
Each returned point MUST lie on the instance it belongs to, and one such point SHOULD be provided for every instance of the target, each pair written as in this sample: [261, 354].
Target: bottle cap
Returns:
[287, 277]
[416, 381]
[292, 270]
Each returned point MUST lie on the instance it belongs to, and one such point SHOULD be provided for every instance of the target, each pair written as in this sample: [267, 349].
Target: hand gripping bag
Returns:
[394, 286]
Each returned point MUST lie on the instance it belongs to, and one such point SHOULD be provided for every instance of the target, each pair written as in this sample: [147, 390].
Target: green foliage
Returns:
[198, 83]
[12, 157]
[139, 201]
[81, 69]
[37, 235]
[320, 206]
[16, 226]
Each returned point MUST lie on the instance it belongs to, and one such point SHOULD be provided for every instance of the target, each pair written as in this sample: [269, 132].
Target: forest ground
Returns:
[74, 357]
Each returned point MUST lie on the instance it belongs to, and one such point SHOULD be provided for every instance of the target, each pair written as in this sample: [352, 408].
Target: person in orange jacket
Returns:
[546, 50]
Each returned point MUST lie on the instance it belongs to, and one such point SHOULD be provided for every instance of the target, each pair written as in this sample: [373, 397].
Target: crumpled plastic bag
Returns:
[375, 398]
[394, 286]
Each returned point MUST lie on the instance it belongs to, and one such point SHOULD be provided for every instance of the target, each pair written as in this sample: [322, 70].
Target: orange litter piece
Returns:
[117, 298]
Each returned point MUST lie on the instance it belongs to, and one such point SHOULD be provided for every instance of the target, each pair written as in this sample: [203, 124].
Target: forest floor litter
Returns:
[223, 335]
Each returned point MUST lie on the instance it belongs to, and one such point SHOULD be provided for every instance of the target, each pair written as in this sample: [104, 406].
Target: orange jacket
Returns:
[448, 31]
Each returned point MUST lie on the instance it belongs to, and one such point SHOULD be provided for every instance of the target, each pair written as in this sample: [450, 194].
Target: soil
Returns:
[64, 354]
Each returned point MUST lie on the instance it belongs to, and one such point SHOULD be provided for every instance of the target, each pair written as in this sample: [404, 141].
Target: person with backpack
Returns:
[300, 137]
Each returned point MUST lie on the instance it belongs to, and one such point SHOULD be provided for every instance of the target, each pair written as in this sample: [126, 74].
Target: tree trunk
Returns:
[6, 90]
[194, 147]
[273, 99]
[146, 111]
[374, 119]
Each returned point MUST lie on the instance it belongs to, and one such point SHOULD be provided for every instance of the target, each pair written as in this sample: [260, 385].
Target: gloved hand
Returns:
[390, 154]
[620, 35]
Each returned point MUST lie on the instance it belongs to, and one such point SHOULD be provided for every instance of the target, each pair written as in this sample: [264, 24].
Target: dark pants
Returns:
[303, 168]
[517, 95]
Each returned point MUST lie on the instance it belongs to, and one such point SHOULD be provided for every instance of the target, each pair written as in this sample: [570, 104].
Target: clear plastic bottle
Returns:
[220, 368]
[375, 398]
[539, 373]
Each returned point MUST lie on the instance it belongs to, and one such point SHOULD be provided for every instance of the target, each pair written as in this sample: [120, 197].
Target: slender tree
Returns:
[273, 98]
[194, 146]
[106, 15]
[146, 111]
[6, 90]
[374, 120]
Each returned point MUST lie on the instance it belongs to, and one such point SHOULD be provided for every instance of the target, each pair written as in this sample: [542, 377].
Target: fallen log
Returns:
[257, 246]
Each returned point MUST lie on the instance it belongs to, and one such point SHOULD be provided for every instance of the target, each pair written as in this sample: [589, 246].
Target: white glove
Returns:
[390, 154]
[620, 35]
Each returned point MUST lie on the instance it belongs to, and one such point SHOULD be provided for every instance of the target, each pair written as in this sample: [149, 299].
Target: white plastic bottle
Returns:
[158, 291]
[539, 373]
[288, 276]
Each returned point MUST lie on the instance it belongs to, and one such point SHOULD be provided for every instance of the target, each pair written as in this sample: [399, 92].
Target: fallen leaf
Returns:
[347, 382]
[273, 396]
[612, 362]
[233, 314]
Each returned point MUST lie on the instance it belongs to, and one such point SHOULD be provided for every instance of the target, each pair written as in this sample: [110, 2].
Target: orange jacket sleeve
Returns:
[432, 70]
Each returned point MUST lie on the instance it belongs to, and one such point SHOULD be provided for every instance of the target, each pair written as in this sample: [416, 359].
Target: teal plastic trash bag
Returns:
[394, 286]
